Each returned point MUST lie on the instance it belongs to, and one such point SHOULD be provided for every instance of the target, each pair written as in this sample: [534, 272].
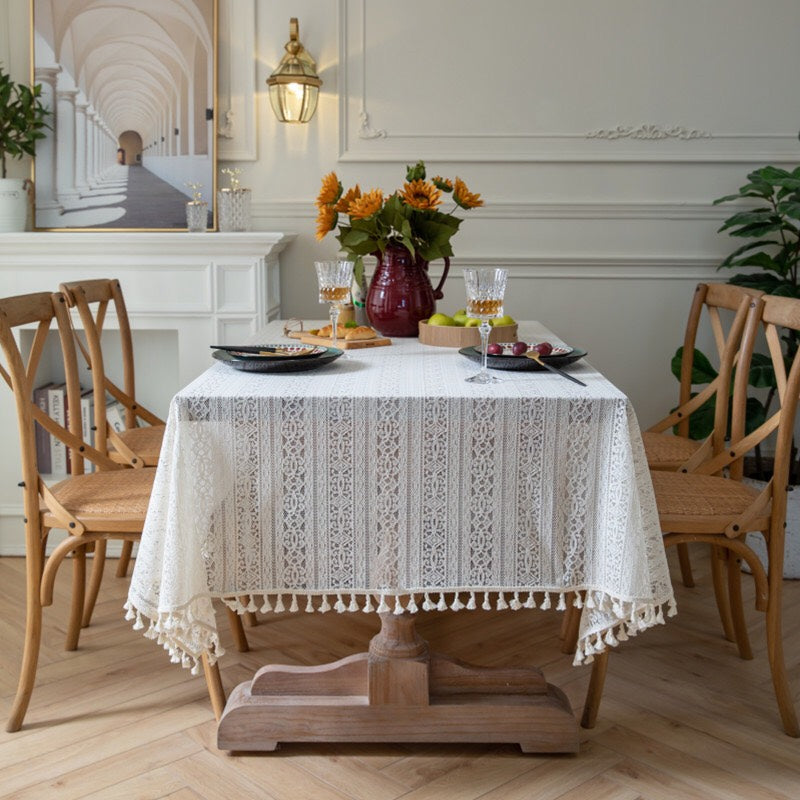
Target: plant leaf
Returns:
[702, 370]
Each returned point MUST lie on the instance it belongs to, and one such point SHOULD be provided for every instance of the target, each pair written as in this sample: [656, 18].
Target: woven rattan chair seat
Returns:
[665, 451]
[145, 442]
[119, 497]
[686, 501]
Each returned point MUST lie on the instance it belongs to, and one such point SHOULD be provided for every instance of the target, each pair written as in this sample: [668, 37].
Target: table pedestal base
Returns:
[398, 692]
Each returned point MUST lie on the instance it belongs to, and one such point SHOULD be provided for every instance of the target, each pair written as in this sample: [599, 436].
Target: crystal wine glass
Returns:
[485, 289]
[334, 279]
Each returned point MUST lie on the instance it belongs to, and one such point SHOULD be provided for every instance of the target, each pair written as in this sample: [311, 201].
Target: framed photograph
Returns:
[131, 85]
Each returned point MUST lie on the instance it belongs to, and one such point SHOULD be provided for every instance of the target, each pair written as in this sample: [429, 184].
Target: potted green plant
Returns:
[22, 122]
[771, 253]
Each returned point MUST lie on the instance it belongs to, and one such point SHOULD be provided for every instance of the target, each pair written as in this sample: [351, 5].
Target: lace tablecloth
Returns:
[386, 482]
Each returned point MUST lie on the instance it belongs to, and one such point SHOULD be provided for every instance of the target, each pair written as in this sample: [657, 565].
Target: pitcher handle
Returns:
[438, 294]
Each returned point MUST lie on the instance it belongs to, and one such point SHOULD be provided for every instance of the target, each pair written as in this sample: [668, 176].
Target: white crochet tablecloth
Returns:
[386, 482]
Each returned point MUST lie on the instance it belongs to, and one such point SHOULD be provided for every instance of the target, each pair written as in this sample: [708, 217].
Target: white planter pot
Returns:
[791, 553]
[13, 205]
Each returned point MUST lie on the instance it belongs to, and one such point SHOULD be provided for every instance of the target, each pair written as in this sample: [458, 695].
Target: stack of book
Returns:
[52, 456]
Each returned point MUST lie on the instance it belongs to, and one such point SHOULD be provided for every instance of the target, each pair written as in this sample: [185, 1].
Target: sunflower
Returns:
[464, 197]
[331, 190]
[445, 184]
[366, 205]
[326, 221]
[421, 194]
[344, 203]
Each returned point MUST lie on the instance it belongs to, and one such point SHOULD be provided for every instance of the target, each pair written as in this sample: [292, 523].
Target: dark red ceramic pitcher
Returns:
[400, 293]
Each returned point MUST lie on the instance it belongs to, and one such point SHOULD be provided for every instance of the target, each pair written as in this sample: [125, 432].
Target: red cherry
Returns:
[543, 348]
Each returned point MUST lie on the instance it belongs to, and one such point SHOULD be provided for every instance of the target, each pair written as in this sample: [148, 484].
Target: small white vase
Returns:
[791, 551]
[13, 205]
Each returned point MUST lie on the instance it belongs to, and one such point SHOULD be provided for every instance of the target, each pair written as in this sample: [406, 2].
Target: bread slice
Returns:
[361, 332]
[327, 331]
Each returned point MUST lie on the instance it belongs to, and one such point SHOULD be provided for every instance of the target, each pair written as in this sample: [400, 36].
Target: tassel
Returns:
[293, 606]
[138, 625]
[195, 669]
[309, 606]
[442, 604]
[501, 602]
[486, 605]
[279, 609]
[622, 636]
[578, 659]
[412, 605]
[456, 605]
[129, 612]
[339, 605]
[326, 606]
[382, 607]
[530, 602]
[515, 603]
[660, 616]
[471, 602]
[251, 606]
[174, 658]
[578, 602]
[266, 606]
[546, 602]
[610, 639]
[672, 608]
[588, 648]
[427, 604]
[353, 603]
[398, 606]
[562, 605]
[590, 600]
[368, 606]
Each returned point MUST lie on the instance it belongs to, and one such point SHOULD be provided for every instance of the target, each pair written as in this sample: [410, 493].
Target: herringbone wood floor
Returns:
[682, 716]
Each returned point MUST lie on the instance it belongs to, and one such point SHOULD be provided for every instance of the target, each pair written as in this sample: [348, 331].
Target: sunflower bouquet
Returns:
[409, 218]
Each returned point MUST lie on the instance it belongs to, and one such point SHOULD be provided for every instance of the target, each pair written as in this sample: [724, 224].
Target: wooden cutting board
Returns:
[342, 344]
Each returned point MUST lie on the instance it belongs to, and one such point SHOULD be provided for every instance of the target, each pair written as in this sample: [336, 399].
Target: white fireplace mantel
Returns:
[183, 291]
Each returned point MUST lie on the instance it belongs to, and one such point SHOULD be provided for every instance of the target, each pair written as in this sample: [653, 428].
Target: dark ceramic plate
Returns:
[278, 364]
[275, 352]
[522, 362]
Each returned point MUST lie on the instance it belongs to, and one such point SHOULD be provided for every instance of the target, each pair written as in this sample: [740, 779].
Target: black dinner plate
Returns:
[520, 363]
[278, 364]
[266, 352]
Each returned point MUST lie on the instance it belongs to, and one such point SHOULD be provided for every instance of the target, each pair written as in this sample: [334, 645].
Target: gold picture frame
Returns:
[132, 87]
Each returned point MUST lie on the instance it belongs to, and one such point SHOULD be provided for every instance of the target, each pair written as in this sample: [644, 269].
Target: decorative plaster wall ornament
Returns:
[651, 132]
[226, 129]
[366, 131]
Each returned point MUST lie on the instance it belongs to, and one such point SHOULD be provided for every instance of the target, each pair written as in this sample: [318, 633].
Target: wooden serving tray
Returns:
[306, 338]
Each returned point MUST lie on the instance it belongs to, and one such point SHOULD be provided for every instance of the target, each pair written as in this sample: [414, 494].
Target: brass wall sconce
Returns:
[294, 86]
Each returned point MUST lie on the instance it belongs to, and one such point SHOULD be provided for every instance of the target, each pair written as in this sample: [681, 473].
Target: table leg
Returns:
[398, 692]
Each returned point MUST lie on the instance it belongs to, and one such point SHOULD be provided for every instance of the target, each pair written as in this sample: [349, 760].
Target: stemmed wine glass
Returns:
[334, 279]
[485, 289]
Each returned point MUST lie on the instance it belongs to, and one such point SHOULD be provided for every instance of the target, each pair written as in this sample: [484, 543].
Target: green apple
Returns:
[441, 319]
[472, 322]
[462, 312]
[505, 320]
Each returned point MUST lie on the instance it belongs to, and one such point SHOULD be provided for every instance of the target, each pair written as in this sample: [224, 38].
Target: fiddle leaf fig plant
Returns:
[22, 119]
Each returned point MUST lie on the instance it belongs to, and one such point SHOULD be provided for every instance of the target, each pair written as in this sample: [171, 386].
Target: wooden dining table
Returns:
[385, 483]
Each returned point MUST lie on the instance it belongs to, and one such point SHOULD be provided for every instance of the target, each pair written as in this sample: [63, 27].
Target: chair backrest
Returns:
[92, 299]
[44, 310]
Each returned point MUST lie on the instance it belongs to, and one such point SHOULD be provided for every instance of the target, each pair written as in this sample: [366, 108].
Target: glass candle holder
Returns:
[197, 216]
[233, 208]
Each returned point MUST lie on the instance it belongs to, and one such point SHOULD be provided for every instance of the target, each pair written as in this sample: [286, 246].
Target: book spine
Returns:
[58, 450]
[43, 460]
[114, 416]
[87, 420]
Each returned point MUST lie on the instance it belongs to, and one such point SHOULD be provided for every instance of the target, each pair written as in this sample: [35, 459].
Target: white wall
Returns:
[597, 133]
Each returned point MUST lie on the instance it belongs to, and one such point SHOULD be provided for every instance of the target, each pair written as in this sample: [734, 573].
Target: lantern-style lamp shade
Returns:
[294, 86]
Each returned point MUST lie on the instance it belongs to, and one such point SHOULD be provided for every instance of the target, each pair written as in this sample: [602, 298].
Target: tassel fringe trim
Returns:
[173, 630]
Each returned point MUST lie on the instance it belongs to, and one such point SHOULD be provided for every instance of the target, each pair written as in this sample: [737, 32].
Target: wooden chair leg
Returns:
[737, 607]
[124, 559]
[777, 664]
[237, 629]
[595, 691]
[249, 617]
[30, 653]
[216, 691]
[570, 626]
[95, 579]
[78, 595]
[719, 558]
[686, 565]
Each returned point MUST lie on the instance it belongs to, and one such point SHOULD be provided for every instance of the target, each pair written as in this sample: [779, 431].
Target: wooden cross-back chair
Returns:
[667, 451]
[107, 504]
[136, 446]
[703, 506]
